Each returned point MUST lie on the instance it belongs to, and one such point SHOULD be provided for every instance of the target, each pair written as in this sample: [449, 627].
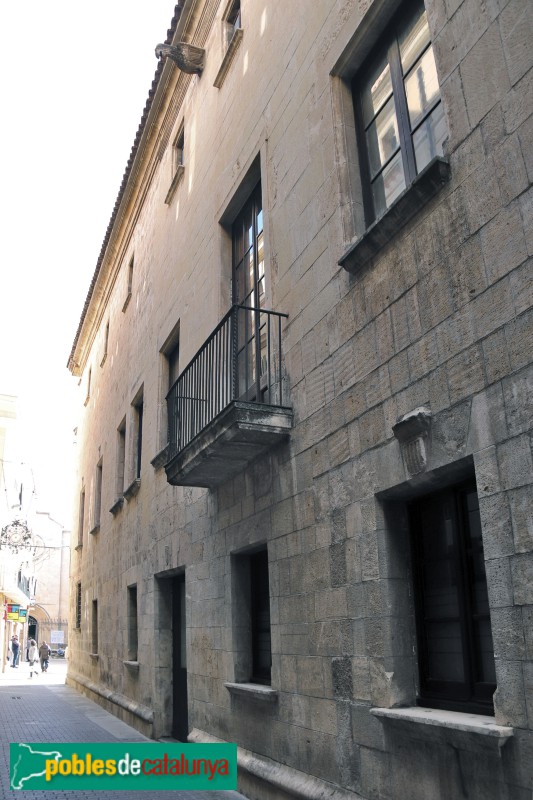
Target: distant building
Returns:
[34, 549]
[304, 490]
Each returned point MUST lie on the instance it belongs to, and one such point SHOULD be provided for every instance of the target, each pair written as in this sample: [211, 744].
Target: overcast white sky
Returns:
[74, 82]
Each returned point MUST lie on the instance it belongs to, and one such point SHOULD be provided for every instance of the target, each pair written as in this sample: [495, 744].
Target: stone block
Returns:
[522, 284]
[367, 730]
[496, 524]
[522, 573]
[484, 74]
[509, 697]
[310, 678]
[519, 333]
[503, 242]
[510, 168]
[515, 462]
[518, 102]
[376, 779]
[518, 396]
[520, 501]
[499, 582]
[516, 26]
[342, 678]
[454, 102]
[496, 356]
[466, 374]
[508, 633]
[488, 423]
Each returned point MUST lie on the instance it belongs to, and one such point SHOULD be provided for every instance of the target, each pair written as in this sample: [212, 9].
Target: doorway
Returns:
[180, 715]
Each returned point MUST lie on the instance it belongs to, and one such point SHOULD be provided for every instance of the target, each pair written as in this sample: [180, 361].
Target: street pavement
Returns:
[44, 709]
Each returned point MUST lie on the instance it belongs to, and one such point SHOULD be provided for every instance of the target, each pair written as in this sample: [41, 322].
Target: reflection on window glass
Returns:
[388, 185]
[429, 137]
[382, 138]
[422, 87]
[413, 40]
[377, 91]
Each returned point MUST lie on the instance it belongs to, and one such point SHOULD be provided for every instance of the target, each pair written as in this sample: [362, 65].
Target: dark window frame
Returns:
[389, 48]
[133, 623]
[94, 627]
[470, 695]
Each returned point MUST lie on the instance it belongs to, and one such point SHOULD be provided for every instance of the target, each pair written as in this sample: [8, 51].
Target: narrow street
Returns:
[44, 709]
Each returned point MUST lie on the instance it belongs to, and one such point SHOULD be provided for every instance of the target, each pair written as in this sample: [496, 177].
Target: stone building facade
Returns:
[307, 528]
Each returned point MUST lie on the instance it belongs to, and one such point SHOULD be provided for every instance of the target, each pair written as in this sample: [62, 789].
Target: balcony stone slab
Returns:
[236, 437]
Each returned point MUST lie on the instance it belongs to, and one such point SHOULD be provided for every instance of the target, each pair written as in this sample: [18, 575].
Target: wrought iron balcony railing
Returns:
[241, 360]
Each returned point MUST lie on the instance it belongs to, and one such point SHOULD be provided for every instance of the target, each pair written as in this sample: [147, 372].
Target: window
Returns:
[130, 283]
[138, 407]
[260, 613]
[81, 517]
[399, 111]
[132, 623]
[252, 617]
[98, 495]
[179, 144]
[232, 20]
[455, 650]
[94, 627]
[106, 343]
[78, 606]
[121, 456]
[88, 395]
[249, 291]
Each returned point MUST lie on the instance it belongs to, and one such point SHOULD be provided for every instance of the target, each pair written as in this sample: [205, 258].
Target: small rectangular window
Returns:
[232, 20]
[130, 283]
[89, 378]
[98, 494]
[78, 606]
[121, 457]
[81, 517]
[94, 627]
[179, 144]
[399, 111]
[456, 654]
[138, 434]
[106, 344]
[132, 624]
[251, 617]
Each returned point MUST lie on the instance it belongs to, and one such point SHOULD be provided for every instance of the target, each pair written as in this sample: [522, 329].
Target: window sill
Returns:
[94, 656]
[443, 722]
[161, 458]
[132, 489]
[410, 202]
[228, 58]
[104, 359]
[175, 181]
[254, 691]
[117, 506]
[96, 529]
[132, 665]
[79, 547]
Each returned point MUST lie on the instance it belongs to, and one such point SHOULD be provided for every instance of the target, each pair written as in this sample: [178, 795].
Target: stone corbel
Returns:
[187, 57]
[412, 432]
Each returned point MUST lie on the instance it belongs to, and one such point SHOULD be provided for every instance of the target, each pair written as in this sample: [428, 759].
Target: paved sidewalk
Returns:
[43, 709]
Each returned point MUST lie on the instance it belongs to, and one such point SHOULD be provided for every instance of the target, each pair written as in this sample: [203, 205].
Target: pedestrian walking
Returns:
[33, 657]
[44, 655]
[15, 649]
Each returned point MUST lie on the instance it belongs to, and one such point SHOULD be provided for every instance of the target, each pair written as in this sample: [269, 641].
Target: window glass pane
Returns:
[422, 87]
[388, 185]
[445, 651]
[382, 138]
[376, 91]
[260, 257]
[414, 39]
[429, 137]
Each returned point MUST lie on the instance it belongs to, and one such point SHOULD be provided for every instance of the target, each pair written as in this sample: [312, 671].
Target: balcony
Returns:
[227, 407]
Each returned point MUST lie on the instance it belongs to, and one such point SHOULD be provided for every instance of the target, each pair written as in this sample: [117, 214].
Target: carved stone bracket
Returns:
[412, 432]
[187, 57]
